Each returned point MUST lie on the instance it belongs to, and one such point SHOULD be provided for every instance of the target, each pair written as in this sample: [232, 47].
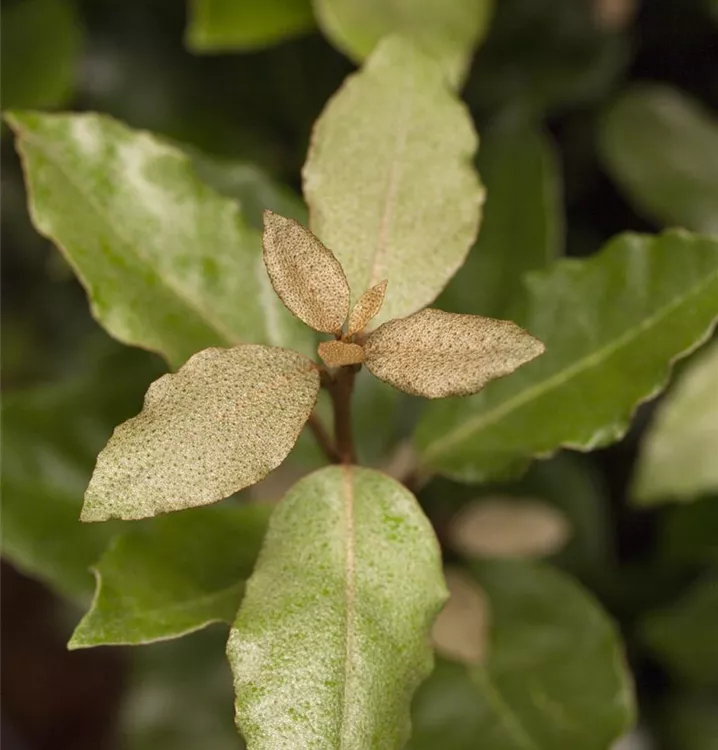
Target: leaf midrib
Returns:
[349, 566]
[470, 427]
[201, 312]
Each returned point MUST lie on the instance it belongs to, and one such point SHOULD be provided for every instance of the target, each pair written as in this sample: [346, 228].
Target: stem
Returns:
[340, 389]
[323, 439]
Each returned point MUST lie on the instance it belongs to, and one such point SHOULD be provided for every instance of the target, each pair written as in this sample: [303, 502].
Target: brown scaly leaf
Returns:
[305, 274]
[223, 421]
[436, 354]
[340, 353]
[366, 307]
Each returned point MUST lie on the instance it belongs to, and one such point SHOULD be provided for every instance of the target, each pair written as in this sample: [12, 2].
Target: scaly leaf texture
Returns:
[219, 424]
[662, 149]
[389, 179]
[447, 32]
[519, 168]
[553, 676]
[305, 274]
[331, 639]
[679, 451]
[226, 25]
[436, 354]
[168, 264]
[193, 568]
[612, 325]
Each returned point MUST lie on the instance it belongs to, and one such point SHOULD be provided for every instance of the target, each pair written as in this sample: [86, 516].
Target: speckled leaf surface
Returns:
[612, 326]
[168, 264]
[219, 424]
[679, 455]
[226, 25]
[389, 179]
[305, 274]
[366, 307]
[662, 149]
[435, 354]
[447, 31]
[519, 167]
[349, 570]
[193, 568]
[553, 677]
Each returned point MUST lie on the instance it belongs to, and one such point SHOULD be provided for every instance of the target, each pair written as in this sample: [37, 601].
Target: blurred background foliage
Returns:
[604, 109]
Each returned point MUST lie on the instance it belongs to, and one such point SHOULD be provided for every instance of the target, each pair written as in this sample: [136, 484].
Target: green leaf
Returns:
[250, 186]
[51, 436]
[169, 265]
[173, 576]
[689, 533]
[219, 424]
[178, 696]
[332, 637]
[662, 149]
[388, 179]
[678, 455]
[518, 166]
[447, 32]
[41, 45]
[684, 634]
[554, 676]
[226, 25]
[612, 326]
[689, 721]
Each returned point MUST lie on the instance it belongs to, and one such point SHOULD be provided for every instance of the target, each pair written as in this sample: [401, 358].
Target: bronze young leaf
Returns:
[366, 307]
[340, 353]
[222, 422]
[436, 354]
[305, 274]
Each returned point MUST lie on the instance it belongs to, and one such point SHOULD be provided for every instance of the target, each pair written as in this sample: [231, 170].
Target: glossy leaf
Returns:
[366, 307]
[612, 326]
[219, 424]
[447, 32]
[51, 436]
[192, 566]
[349, 569]
[683, 635]
[678, 456]
[226, 25]
[436, 354]
[389, 181]
[41, 46]
[305, 274]
[169, 265]
[519, 168]
[662, 150]
[553, 677]
[508, 527]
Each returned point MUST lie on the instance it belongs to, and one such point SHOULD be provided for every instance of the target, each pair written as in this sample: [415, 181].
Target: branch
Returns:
[323, 439]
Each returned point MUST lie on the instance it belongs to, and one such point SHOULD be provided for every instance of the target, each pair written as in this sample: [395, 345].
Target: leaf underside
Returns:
[437, 354]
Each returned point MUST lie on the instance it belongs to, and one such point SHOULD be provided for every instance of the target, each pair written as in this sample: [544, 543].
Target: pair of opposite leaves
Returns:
[228, 417]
